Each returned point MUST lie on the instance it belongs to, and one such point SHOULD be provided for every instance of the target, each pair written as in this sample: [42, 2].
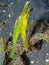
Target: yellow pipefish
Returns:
[23, 30]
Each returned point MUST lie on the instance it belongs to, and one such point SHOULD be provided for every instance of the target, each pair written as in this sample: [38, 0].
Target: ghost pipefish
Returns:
[20, 28]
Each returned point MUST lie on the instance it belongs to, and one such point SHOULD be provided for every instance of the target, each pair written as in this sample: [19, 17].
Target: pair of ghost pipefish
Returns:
[20, 28]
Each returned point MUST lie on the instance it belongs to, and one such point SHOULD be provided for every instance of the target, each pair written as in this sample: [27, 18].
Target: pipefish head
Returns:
[26, 8]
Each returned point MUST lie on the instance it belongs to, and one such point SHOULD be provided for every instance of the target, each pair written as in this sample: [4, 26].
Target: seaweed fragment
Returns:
[2, 52]
[36, 46]
[7, 59]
